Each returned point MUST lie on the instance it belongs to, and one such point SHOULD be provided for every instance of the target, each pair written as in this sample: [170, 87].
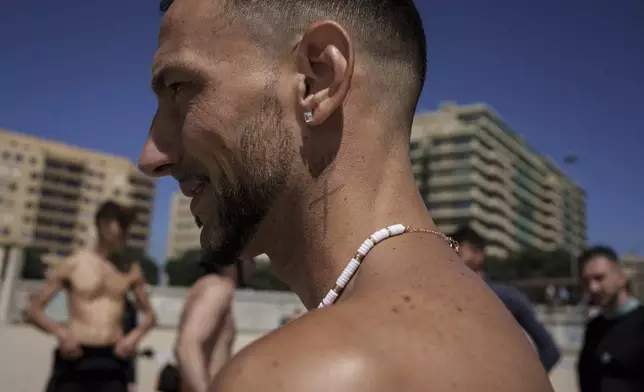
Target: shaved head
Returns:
[387, 33]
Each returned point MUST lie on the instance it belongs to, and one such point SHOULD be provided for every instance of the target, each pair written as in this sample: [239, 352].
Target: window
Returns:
[19, 157]
[461, 204]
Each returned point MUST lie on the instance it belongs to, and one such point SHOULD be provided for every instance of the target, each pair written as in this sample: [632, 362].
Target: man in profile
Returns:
[612, 357]
[288, 123]
[93, 351]
[472, 252]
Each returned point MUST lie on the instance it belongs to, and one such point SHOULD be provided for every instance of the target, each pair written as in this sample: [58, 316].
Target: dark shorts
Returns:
[97, 370]
[169, 379]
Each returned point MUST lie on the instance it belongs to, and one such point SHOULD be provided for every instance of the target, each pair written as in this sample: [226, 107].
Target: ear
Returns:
[325, 58]
[622, 277]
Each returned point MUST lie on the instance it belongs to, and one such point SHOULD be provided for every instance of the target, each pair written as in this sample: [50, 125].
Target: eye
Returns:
[176, 88]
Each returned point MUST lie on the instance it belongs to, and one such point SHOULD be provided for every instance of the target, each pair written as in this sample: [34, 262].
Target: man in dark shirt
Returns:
[612, 357]
[472, 252]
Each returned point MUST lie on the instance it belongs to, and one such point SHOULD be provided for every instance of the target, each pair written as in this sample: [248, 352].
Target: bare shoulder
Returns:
[300, 356]
[366, 347]
[63, 268]
[211, 286]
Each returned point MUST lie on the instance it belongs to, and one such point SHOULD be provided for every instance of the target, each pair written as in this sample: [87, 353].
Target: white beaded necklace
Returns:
[366, 246]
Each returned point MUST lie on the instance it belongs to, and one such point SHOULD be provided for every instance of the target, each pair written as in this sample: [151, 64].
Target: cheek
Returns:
[211, 149]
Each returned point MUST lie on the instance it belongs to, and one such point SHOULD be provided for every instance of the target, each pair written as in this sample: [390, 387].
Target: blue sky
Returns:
[567, 75]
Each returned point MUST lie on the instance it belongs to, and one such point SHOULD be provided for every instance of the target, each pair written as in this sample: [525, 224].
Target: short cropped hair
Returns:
[389, 31]
[468, 235]
[598, 251]
[112, 211]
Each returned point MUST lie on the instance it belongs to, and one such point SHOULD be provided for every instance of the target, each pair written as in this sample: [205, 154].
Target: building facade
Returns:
[183, 233]
[634, 268]
[472, 169]
[49, 194]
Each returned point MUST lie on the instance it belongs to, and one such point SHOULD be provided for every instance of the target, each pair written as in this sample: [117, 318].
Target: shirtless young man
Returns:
[93, 353]
[209, 328]
[288, 121]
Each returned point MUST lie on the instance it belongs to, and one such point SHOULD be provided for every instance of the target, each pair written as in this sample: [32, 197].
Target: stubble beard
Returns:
[261, 172]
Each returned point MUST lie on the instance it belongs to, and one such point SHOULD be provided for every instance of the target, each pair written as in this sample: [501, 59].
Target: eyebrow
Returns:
[159, 73]
[174, 63]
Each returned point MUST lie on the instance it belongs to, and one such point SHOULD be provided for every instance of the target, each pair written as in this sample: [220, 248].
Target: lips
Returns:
[191, 188]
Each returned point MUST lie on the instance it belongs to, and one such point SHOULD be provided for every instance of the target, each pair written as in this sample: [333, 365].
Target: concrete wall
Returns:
[255, 311]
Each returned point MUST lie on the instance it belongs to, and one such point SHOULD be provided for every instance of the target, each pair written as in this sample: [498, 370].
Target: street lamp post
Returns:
[569, 161]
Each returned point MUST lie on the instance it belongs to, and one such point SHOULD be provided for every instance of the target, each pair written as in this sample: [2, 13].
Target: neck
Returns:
[103, 249]
[622, 298]
[328, 225]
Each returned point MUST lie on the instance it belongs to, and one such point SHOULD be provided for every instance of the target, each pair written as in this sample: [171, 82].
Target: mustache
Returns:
[181, 174]
[198, 222]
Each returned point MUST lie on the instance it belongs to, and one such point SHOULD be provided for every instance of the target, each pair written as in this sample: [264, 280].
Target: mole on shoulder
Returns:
[406, 298]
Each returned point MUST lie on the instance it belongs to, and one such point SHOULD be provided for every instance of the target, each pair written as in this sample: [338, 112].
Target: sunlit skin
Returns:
[96, 290]
[230, 128]
[208, 308]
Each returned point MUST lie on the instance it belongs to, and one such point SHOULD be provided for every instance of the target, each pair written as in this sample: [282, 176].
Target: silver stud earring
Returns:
[308, 116]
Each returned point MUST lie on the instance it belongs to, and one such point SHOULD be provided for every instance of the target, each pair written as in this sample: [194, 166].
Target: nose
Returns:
[160, 152]
[594, 287]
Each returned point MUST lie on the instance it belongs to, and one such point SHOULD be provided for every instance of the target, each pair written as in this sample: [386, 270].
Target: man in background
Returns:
[94, 351]
[472, 252]
[612, 357]
[219, 286]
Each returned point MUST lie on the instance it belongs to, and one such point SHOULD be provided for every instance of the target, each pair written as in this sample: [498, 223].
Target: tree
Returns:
[264, 279]
[147, 263]
[558, 265]
[500, 270]
[529, 264]
[185, 270]
[33, 267]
